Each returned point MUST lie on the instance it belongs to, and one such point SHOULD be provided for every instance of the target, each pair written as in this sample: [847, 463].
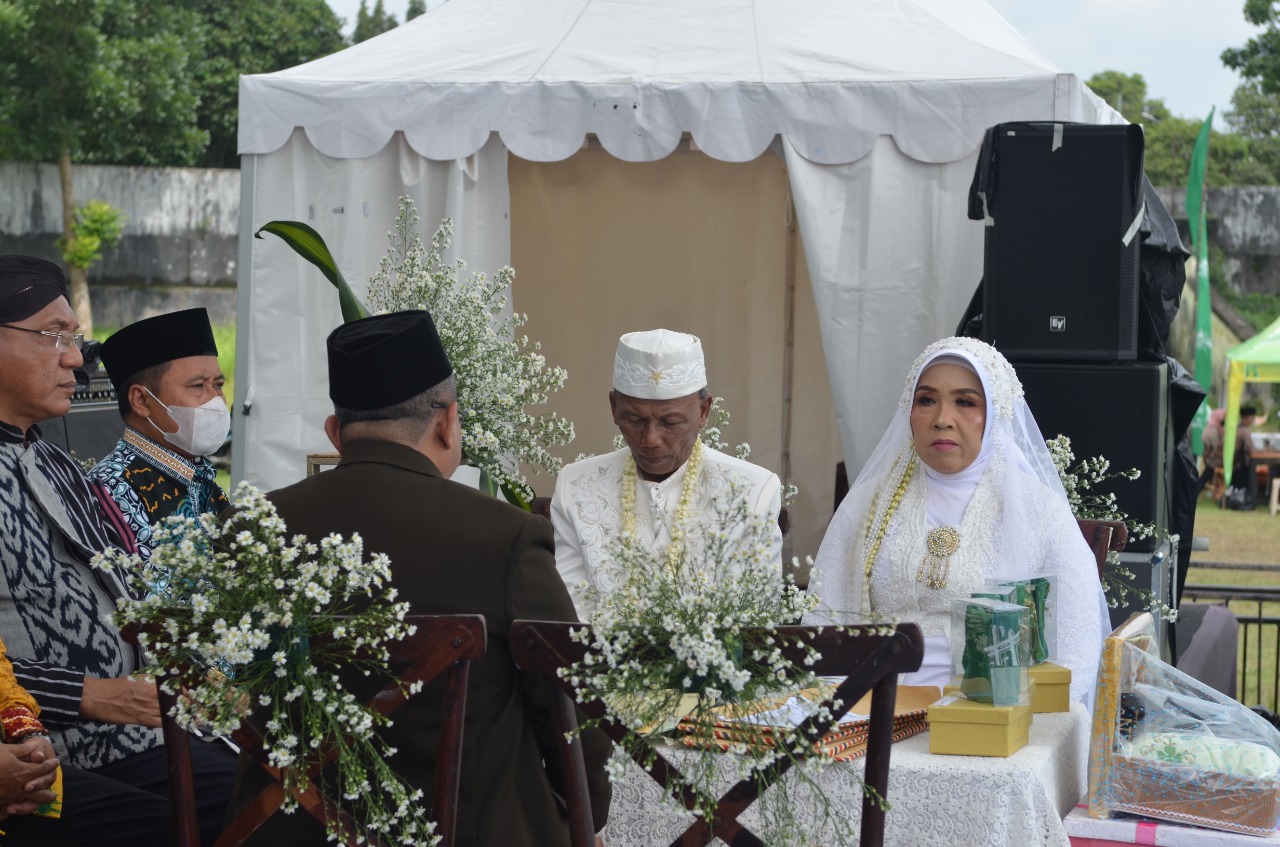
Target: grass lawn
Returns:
[1244, 537]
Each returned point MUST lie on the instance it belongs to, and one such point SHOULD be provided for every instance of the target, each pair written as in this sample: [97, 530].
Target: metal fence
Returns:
[1257, 610]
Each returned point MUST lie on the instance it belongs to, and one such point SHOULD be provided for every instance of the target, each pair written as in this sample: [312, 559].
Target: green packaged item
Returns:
[1035, 595]
[991, 650]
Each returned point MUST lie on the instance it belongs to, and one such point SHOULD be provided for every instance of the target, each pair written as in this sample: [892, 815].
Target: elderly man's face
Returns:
[660, 433]
[36, 380]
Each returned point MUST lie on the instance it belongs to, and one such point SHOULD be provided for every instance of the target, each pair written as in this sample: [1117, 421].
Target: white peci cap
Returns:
[659, 364]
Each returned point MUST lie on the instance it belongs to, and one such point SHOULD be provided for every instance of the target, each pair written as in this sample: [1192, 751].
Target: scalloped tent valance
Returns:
[734, 74]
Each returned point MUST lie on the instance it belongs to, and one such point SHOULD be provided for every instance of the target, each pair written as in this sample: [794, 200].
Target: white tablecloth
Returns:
[1018, 801]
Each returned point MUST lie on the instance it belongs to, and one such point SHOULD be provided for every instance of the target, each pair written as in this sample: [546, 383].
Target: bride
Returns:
[960, 489]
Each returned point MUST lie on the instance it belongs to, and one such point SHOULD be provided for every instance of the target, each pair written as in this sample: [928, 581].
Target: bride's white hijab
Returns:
[1011, 445]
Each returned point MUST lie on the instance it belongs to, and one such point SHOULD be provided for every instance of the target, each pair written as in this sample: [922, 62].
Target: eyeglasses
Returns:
[62, 341]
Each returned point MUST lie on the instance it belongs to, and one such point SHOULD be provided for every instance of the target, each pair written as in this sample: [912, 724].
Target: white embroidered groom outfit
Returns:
[589, 509]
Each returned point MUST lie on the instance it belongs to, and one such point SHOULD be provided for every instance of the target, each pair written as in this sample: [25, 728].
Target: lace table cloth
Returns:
[1018, 801]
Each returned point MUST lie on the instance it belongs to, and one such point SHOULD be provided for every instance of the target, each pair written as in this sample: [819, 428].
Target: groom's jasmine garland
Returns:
[268, 605]
[669, 641]
[500, 373]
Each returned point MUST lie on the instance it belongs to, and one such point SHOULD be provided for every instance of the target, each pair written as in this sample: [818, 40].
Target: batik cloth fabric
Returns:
[150, 482]
[55, 608]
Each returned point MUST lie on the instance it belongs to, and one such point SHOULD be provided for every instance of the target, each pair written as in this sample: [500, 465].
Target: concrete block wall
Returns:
[179, 247]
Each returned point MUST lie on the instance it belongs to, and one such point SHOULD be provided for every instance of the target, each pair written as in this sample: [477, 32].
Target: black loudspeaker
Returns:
[1062, 203]
[1119, 411]
[90, 430]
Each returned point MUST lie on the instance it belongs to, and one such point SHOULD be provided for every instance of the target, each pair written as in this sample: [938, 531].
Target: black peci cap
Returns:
[384, 360]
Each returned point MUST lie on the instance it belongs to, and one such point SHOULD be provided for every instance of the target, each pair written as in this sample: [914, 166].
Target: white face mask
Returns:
[201, 429]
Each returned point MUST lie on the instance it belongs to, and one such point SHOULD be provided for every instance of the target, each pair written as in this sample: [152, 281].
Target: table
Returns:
[1015, 802]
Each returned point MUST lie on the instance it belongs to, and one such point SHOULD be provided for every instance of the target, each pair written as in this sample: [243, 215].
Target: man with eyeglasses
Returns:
[56, 610]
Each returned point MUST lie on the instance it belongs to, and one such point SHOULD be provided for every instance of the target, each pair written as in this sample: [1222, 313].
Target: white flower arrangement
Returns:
[278, 611]
[500, 373]
[1079, 481]
[675, 640]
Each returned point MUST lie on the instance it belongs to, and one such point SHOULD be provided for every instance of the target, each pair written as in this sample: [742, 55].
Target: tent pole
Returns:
[789, 336]
[244, 321]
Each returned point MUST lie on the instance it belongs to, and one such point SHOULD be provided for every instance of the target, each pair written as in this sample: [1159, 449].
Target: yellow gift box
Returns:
[961, 727]
[1051, 688]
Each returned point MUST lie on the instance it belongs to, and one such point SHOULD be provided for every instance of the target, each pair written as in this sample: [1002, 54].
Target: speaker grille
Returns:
[1058, 281]
[1118, 411]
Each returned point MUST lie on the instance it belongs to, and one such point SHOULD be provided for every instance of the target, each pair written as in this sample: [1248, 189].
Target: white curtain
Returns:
[291, 307]
[893, 260]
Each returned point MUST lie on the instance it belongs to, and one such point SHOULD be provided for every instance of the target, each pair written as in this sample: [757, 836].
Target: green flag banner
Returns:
[1204, 309]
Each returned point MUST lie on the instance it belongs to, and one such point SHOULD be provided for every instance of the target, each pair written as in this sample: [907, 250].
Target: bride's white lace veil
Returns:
[1012, 445]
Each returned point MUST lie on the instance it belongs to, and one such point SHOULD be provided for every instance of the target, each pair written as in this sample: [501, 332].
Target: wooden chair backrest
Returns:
[441, 644]
[1103, 536]
[869, 660]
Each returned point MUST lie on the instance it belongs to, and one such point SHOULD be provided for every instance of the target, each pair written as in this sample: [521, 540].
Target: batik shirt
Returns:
[150, 483]
[55, 608]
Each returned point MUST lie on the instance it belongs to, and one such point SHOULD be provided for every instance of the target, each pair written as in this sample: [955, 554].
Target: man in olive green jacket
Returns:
[453, 550]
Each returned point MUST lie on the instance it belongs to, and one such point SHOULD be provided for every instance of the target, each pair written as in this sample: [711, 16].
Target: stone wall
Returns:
[180, 239]
[1244, 223]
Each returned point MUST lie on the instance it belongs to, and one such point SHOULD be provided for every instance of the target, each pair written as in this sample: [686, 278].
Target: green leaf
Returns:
[308, 244]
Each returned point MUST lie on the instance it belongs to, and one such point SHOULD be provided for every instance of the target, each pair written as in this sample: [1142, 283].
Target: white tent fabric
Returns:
[830, 77]
[288, 307]
[881, 106]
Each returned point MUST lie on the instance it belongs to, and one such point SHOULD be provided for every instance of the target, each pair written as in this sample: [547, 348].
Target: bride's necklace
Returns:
[629, 485]
[940, 544]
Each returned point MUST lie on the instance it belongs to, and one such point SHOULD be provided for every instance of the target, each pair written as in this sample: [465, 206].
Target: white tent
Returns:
[517, 116]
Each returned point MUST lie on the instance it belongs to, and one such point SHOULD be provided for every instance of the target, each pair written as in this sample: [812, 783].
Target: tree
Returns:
[1255, 117]
[1126, 93]
[96, 81]
[369, 24]
[415, 8]
[1170, 139]
[1259, 58]
[252, 37]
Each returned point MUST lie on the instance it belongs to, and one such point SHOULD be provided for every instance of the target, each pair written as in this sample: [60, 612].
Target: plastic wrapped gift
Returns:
[1169, 747]
[991, 650]
[1039, 597]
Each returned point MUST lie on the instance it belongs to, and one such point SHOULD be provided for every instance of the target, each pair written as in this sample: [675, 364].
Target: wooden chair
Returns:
[1103, 536]
[870, 661]
[542, 506]
[441, 644]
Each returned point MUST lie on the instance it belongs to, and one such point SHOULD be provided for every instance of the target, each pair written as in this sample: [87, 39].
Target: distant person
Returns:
[1213, 439]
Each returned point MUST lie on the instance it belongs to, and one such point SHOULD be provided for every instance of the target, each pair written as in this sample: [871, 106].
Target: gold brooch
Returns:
[940, 544]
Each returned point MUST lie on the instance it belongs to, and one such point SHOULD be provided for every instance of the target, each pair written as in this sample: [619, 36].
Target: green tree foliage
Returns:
[96, 81]
[250, 37]
[1233, 159]
[1255, 117]
[103, 80]
[415, 8]
[98, 226]
[1259, 58]
[371, 23]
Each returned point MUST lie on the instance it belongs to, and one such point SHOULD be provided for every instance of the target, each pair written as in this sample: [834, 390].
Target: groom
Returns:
[664, 484]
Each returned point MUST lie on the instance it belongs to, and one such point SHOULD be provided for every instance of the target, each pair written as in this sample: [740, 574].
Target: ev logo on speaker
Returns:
[1057, 323]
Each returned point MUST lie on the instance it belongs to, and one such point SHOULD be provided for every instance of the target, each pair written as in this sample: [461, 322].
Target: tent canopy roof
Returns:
[831, 77]
[1262, 349]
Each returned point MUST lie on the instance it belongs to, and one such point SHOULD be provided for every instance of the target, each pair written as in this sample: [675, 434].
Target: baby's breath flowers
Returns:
[500, 373]
[687, 637]
[279, 611]
[1079, 481]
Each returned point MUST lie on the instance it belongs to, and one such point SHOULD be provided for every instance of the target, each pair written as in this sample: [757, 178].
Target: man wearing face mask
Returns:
[165, 371]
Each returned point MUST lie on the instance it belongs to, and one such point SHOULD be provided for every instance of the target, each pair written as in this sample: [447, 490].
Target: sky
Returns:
[1174, 44]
